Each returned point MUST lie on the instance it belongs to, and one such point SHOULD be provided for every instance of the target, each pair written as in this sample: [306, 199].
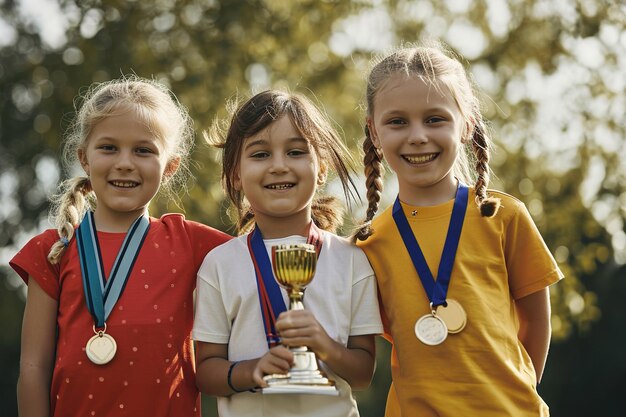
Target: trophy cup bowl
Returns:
[294, 268]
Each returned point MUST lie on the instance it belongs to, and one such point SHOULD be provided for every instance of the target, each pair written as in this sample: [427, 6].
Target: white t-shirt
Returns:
[342, 297]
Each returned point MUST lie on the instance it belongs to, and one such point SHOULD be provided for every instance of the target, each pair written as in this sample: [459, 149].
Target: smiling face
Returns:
[278, 172]
[419, 128]
[125, 163]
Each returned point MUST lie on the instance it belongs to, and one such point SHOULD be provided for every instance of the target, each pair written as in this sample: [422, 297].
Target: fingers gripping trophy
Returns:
[294, 268]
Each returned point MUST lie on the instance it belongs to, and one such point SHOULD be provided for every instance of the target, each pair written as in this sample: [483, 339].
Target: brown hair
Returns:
[159, 110]
[258, 113]
[433, 64]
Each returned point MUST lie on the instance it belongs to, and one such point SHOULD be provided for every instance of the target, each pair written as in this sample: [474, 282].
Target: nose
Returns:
[124, 161]
[417, 134]
[278, 164]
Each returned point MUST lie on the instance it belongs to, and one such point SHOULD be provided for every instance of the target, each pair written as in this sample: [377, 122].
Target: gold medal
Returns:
[453, 315]
[101, 348]
[431, 330]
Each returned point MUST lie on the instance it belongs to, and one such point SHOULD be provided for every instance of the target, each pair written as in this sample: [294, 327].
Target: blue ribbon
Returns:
[100, 294]
[436, 290]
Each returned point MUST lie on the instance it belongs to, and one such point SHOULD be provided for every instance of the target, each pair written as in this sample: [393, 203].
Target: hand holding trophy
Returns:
[294, 268]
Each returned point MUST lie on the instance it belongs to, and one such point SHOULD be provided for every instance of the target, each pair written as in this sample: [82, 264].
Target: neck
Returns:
[432, 195]
[116, 222]
[277, 227]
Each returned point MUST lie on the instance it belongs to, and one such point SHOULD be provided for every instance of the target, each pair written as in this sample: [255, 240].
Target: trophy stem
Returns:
[295, 299]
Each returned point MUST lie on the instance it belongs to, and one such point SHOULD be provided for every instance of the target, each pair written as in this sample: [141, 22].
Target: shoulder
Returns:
[44, 239]
[381, 225]
[178, 223]
[229, 252]
[510, 206]
[347, 252]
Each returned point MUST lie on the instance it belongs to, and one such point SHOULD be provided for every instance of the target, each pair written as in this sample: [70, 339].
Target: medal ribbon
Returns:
[270, 296]
[100, 294]
[436, 290]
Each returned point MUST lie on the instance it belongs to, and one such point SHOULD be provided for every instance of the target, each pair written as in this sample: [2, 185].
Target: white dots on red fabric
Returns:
[80, 362]
[123, 321]
[173, 270]
[146, 286]
[178, 394]
[67, 380]
[172, 253]
[171, 318]
[131, 363]
[169, 345]
[172, 285]
[158, 381]
[135, 349]
[156, 245]
[143, 271]
[90, 396]
[167, 360]
[120, 308]
[158, 320]
[121, 405]
[125, 383]
[93, 413]
[101, 379]
[156, 307]
[38, 242]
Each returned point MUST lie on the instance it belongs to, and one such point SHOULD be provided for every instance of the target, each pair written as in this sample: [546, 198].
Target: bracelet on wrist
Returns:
[229, 380]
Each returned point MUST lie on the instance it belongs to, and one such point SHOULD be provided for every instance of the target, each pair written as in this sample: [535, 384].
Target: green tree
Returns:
[553, 78]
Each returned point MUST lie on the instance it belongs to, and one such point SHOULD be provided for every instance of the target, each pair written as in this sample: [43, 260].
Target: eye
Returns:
[297, 152]
[107, 148]
[396, 121]
[145, 150]
[260, 155]
[435, 119]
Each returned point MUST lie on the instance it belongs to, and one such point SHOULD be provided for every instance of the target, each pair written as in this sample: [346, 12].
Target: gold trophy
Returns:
[294, 268]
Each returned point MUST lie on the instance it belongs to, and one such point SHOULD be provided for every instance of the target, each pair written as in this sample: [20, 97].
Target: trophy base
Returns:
[303, 378]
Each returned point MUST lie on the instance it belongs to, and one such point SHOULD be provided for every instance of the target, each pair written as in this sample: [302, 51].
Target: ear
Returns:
[322, 174]
[373, 133]
[82, 158]
[171, 168]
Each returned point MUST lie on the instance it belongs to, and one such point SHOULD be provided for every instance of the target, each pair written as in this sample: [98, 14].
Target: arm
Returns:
[213, 367]
[37, 352]
[354, 362]
[533, 312]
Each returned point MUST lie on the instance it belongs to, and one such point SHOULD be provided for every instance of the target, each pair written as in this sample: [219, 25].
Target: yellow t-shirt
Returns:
[484, 370]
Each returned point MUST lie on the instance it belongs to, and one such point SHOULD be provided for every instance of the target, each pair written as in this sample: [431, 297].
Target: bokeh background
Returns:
[553, 74]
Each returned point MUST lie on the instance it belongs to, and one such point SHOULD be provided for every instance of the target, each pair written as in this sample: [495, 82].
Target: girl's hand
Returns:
[301, 328]
[277, 360]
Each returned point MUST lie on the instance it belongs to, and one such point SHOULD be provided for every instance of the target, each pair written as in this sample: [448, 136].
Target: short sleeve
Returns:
[32, 261]
[530, 265]
[210, 319]
[365, 310]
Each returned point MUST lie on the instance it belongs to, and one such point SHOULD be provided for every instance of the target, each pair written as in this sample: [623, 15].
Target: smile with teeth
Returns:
[420, 159]
[285, 186]
[124, 184]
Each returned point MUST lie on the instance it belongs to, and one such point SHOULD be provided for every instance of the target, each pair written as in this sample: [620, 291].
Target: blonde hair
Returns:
[255, 115]
[155, 105]
[435, 65]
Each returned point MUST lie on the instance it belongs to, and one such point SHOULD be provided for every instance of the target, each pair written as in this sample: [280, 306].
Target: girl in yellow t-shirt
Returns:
[464, 286]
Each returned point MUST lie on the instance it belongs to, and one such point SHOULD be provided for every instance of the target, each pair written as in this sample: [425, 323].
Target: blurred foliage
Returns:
[553, 77]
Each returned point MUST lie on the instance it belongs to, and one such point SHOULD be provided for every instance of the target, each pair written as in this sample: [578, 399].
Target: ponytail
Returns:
[372, 161]
[327, 213]
[70, 208]
[488, 205]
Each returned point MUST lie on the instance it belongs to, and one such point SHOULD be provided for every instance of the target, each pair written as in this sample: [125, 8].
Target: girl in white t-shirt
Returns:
[278, 150]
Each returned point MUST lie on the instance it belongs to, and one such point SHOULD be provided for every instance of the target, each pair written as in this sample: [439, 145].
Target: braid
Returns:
[71, 208]
[246, 220]
[327, 213]
[372, 161]
[488, 205]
